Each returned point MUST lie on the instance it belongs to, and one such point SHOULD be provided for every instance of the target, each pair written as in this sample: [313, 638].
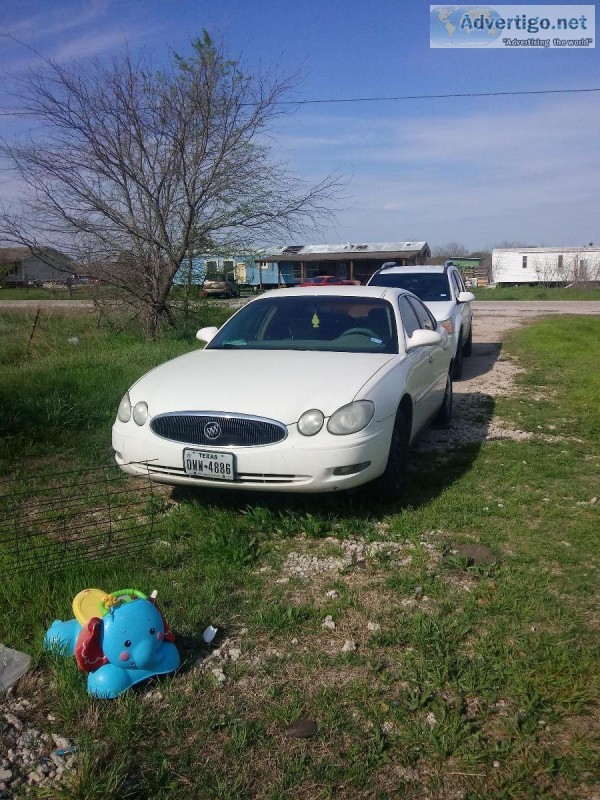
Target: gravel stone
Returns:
[301, 729]
[28, 756]
[474, 553]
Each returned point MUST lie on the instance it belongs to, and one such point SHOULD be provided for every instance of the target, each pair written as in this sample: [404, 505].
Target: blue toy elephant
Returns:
[126, 644]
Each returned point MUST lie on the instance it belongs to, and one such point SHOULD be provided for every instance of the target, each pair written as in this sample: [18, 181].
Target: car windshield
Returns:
[339, 324]
[428, 286]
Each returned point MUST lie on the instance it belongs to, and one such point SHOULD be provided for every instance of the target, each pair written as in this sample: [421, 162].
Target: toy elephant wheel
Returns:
[120, 596]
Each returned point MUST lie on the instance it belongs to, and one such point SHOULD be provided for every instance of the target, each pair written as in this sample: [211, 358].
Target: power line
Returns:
[332, 100]
[433, 96]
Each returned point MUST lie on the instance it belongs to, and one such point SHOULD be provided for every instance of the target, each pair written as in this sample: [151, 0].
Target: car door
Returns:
[436, 358]
[419, 381]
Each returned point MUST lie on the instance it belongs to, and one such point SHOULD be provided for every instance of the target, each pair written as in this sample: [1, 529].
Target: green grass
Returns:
[536, 293]
[485, 686]
[33, 293]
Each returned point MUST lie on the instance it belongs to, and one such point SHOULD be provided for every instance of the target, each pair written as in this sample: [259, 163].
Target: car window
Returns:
[341, 324]
[456, 283]
[409, 317]
[426, 319]
[430, 287]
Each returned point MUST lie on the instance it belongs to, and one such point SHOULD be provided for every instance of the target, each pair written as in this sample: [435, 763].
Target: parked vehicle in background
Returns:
[328, 280]
[443, 291]
[302, 390]
[220, 287]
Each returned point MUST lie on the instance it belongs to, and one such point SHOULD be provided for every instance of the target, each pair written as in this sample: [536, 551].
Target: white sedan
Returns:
[300, 390]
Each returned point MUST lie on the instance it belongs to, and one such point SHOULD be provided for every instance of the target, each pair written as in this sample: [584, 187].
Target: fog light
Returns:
[352, 469]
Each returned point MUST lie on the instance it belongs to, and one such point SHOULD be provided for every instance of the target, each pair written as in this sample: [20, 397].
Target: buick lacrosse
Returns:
[299, 391]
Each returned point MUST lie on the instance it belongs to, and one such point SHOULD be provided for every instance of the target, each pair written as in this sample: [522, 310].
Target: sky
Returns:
[479, 171]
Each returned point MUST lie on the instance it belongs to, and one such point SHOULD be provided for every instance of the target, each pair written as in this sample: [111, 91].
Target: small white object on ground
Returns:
[209, 634]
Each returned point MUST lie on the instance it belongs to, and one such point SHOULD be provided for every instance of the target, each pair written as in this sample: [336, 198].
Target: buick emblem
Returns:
[212, 430]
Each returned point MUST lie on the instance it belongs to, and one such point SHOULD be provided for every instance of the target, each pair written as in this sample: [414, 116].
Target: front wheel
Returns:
[444, 415]
[458, 359]
[468, 347]
[389, 485]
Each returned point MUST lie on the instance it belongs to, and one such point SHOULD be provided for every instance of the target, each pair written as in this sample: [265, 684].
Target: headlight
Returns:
[311, 422]
[140, 413]
[351, 418]
[447, 325]
[124, 412]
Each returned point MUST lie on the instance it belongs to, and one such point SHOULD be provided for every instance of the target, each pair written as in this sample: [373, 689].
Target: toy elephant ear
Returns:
[88, 648]
[168, 634]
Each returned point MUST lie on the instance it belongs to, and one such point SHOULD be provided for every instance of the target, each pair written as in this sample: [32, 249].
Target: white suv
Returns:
[442, 290]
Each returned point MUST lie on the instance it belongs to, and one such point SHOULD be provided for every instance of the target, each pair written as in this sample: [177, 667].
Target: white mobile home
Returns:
[547, 265]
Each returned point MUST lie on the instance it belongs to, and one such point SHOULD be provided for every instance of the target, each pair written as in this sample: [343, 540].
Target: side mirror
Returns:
[465, 297]
[423, 338]
[207, 334]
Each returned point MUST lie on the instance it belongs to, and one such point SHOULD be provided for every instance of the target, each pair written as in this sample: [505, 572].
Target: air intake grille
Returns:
[214, 430]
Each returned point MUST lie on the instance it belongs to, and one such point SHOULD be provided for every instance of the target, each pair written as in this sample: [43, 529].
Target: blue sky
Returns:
[478, 171]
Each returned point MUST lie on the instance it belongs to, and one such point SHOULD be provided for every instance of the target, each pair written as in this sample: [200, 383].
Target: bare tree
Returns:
[450, 250]
[133, 169]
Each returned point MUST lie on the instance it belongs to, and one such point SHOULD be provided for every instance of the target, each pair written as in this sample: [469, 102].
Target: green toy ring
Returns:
[120, 596]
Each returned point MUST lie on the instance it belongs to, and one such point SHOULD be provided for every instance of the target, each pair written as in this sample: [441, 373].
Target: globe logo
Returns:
[463, 26]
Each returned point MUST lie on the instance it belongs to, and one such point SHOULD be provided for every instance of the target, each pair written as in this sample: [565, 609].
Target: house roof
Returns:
[10, 254]
[350, 251]
[586, 249]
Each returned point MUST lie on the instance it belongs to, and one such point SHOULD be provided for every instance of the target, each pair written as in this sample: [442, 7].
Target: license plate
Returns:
[205, 464]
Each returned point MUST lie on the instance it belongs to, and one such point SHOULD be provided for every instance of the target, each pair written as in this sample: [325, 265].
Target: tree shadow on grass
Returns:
[437, 459]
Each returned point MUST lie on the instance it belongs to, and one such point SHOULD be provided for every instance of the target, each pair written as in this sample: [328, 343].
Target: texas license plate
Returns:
[206, 464]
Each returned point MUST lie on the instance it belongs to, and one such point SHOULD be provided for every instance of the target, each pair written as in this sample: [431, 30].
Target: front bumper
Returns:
[297, 464]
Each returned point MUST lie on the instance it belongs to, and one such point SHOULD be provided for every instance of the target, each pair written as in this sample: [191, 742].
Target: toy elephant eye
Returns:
[152, 631]
[127, 642]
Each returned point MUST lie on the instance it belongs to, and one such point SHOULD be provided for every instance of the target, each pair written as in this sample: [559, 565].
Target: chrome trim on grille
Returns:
[237, 430]
[257, 478]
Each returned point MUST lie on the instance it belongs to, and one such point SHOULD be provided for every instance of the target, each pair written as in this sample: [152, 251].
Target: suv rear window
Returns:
[427, 286]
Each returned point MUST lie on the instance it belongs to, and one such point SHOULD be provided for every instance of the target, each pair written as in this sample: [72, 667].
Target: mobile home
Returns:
[548, 265]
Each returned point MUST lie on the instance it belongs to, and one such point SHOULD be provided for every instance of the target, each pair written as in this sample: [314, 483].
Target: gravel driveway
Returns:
[488, 373]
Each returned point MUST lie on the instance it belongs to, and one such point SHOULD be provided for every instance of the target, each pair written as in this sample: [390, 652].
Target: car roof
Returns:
[384, 292]
[418, 269]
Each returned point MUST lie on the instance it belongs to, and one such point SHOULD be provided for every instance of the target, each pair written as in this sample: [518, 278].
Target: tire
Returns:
[458, 359]
[444, 415]
[390, 485]
[468, 347]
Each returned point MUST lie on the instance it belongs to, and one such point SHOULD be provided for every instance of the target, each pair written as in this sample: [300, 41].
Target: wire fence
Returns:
[54, 520]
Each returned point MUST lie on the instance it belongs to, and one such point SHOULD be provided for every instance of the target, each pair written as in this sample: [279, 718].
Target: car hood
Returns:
[441, 310]
[277, 384]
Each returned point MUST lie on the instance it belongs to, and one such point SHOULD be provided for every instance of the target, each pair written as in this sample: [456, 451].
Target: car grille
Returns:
[215, 430]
